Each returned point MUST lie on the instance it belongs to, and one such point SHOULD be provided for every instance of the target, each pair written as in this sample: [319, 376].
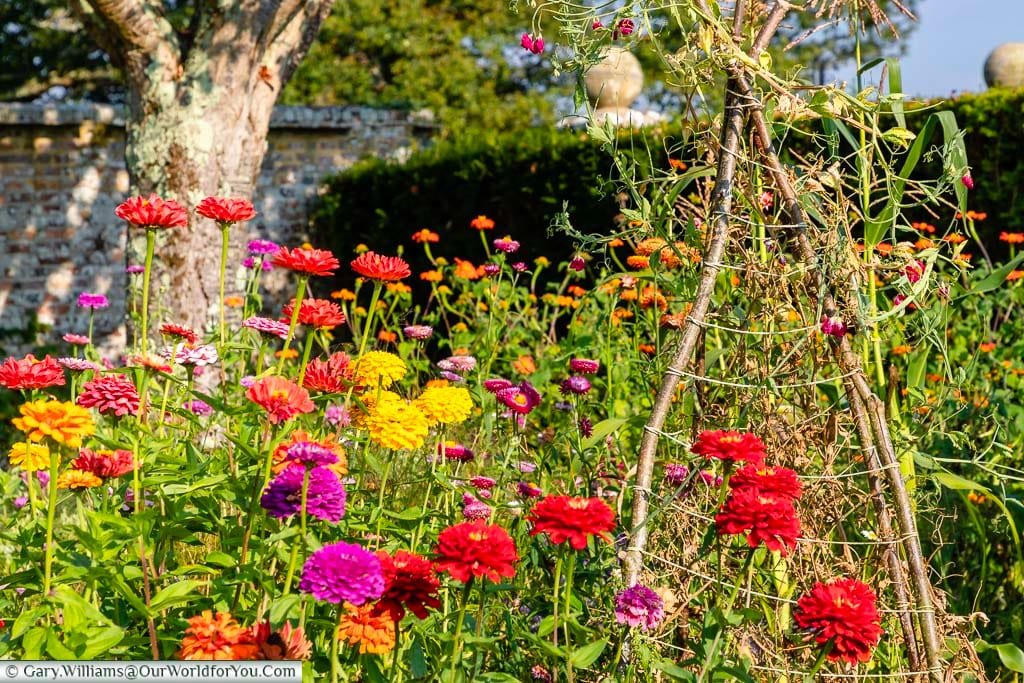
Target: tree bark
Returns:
[199, 109]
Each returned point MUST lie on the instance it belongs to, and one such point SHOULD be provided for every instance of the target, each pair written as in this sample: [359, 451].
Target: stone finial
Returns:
[613, 84]
[1004, 68]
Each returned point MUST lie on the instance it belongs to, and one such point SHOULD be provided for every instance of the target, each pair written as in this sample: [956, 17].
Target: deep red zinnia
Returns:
[476, 549]
[779, 482]
[841, 611]
[152, 212]
[226, 210]
[764, 519]
[383, 268]
[329, 376]
[281, 398]
[307, 261]
[564, 518]
[110, 394]
[104, 464]
[29, 373]
[730, 446]
[319, 313]
[409, 583]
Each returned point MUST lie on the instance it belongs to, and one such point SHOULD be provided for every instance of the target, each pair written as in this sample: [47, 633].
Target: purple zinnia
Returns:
[577, 384]
[584, 366]
[474, 508]
[343, 572]
[310, 453]
[93, 301]
[418, 331]
[491, 269]
[267, 326]
[262, 247]
[325, 497]
[455, 451]
[338, 415]
[519, 267]
[250, 263]
[200, 408]
[639, 606]
[507, 245]
[203, 354]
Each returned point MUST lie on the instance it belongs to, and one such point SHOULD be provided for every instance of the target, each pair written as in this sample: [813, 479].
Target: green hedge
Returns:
[521, 182]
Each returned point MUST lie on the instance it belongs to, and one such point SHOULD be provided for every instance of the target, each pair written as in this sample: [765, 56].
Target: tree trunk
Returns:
[199, 110]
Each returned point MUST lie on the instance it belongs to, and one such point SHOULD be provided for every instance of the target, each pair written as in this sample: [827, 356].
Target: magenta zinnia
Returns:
[110, 394]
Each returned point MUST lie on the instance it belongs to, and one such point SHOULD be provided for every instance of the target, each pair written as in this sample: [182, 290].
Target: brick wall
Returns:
[62, 172]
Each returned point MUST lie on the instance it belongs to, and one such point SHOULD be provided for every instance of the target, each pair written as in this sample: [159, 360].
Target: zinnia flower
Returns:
[506, 244]
[842, 612]
[419, 332]
[199, 355]
[306, 261]
[77, 479]
[460, 364]
[77, 364]
[372, 630]
[381, 268]
[483, 222]
[474, 508]
[445, 405]
[93, 301]
[180, 332]
[729, 446]
[409, 583]
[379, 369]
[152, 212]
[476, 549]
[584, 366]
[29, 373]
[267, 326]
[104, 464]
[281, 398]
[343, 572]
[425, 236]
[564, 518]
[110, 394]
[286, 644]
[226, 210]
[75, 339]
[640, 606]
[217, 637]
[262, 247]
[311, 453]
[395, 424]
[455, 451]
[328, 376]
[198, 407]
[30, 457]
[764, 519]
[319, 313]
[779, 482]
[62, 421]
[325, 495]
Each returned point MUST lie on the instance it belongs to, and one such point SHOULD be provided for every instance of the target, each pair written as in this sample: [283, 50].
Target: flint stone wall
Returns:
[62, 172]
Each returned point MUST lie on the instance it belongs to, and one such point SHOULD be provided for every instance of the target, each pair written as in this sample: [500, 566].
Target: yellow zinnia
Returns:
[78, 479]
[448, 405]
[62, 421]
[396, 424]
[29, 456]
[378, 368]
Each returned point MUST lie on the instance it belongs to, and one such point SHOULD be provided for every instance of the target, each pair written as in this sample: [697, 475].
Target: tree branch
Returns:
[133, 33]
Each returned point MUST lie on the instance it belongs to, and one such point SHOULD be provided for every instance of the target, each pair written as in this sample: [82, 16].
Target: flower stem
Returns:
[334, 644]
[146, 275]
[51, 510]
[302, 534]
[457, 638]
[569, 573]
[300, 291]
[225, 229]
[374, 298]
[305, 355]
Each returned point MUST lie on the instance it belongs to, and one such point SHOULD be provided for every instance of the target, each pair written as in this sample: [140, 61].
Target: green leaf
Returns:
[582, 657]
[25, 620]
[496, 677]
[918, 366]
[221, 559]
[33, 642]
[281, 608]
[673, 670]
[175, 594]
[996, 278]
[958, 483]
[101, 641]
[1010, 655]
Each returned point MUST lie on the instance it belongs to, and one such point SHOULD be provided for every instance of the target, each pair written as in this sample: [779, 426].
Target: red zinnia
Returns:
[281, 398]
[383, 268]
[779, 482]
[409, 582]
[180, 332]
[226, 210]
[152, 212]
[110, 394]
[308, 261]
[319, 313]
[841, 611]
[765, 519]
[328, 375]
[564, 518]
[29, 373]
[104, 464]
[730, 446]
[476, 549]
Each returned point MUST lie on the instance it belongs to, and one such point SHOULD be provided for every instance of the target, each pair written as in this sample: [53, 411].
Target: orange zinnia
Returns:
[424, 236]
[381, 268]
[281, 398]
[217, 637]
[62, 421]
[372, 629]
[465, 270]
[1012, 237]
[482, 223]
[524, 365]
[306, 261]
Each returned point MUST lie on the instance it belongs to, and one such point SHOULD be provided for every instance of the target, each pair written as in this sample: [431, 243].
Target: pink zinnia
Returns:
[114, 394]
